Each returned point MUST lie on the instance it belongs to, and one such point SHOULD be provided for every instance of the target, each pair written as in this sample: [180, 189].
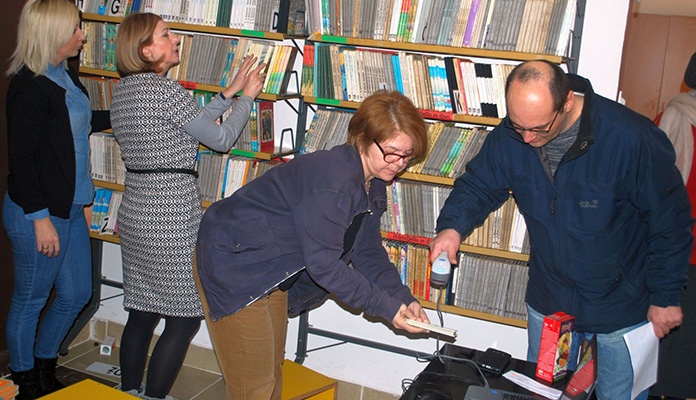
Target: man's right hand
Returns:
[447, 240]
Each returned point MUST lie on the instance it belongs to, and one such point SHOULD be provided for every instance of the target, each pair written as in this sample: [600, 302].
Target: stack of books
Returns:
[442, 84]
[258, 15]
[530, 26]
[106, 162]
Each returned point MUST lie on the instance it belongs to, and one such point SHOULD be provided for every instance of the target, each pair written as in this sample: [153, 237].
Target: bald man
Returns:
[607, 213]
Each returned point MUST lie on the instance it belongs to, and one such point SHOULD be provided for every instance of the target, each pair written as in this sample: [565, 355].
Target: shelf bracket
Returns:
[576, 38]
[305, 329]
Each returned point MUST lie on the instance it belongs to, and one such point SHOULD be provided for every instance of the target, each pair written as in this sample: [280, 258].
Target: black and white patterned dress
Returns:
[160, 212]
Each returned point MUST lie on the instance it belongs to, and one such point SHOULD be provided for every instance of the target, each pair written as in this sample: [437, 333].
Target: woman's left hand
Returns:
[47, 241]
[413, 311]
[246, 79]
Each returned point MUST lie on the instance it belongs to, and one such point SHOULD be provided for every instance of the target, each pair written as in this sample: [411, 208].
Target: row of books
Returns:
[504, 229]
[531, 26]
[99, 47]
[258, 134]
[443, 84]
[329, 128]
[413, 208]
[105, 158]
[259, 15]
[99, 90]
[220, 175]
[205, 59]
[215, 60]
[450, 146]
[412, 263]
[491, 285]
[481, 283]
[104, 219]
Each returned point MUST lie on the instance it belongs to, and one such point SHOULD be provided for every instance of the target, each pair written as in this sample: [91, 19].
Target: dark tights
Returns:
[167, 356]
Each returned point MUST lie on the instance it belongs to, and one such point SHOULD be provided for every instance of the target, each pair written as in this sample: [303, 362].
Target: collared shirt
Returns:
[80, 116]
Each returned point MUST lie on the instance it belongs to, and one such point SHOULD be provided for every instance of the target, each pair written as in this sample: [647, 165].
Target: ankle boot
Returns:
[28, 382]
[47, 374]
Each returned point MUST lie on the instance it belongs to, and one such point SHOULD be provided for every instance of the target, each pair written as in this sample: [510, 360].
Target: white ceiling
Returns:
[665, 7]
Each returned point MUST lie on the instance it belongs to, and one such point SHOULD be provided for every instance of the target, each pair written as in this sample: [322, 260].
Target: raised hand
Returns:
[255, 80]
[241, 79]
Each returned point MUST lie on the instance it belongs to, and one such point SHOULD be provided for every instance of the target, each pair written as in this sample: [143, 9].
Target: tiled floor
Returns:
[191, 384]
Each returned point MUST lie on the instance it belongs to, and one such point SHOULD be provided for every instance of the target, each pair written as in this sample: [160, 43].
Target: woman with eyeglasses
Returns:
[301, 231]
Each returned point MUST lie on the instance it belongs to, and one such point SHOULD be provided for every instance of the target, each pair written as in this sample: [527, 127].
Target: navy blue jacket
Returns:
[610, 233]
[295, 216]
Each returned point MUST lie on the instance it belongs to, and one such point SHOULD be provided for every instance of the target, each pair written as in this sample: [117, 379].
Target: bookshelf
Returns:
[98, 48]
[324, 36]
[436, 49]
[417, 193]
[374, 56]
[284, 93]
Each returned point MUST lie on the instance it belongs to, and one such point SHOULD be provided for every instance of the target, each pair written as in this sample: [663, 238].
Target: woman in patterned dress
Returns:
[158, 126]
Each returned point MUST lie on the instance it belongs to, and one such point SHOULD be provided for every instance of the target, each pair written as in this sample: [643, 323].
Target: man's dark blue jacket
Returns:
[610, 233]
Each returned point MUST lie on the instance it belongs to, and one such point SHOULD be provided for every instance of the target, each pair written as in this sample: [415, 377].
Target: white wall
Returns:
[600, 59]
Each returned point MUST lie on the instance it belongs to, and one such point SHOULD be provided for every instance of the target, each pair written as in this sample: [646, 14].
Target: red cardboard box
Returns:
[554, 349]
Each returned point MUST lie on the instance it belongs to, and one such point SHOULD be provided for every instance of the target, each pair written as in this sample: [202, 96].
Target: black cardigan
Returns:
[40, 143]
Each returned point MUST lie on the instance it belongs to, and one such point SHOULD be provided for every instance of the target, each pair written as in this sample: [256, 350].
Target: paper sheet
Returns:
[643, 346]
[530, 384]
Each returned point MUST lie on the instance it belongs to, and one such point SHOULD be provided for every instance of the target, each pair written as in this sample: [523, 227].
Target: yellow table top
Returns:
[300, 382]
[88, 390]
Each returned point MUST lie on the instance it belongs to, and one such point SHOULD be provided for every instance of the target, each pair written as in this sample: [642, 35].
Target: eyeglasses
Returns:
[511, 125]
[392, 157]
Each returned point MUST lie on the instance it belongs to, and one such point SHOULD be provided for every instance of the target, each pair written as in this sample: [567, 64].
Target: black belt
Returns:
[164, 170]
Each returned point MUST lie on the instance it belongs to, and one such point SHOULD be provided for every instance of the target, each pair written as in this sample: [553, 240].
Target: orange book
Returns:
[8, 390]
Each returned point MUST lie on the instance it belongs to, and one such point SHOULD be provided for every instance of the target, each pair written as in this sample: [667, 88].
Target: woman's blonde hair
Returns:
[135, 33]
[44, 26]
[381, 116]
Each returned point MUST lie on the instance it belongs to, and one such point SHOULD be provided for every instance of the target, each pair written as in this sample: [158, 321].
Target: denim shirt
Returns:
[80, 116]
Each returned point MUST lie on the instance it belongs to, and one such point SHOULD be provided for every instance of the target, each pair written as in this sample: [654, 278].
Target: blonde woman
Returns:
[49, 119]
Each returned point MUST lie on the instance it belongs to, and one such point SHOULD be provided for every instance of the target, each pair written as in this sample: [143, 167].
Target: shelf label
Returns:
[328, 102]
[334, 39]
[248, 32]
[440, 115]
[245, 153]
[408, 238]
[189, 85]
